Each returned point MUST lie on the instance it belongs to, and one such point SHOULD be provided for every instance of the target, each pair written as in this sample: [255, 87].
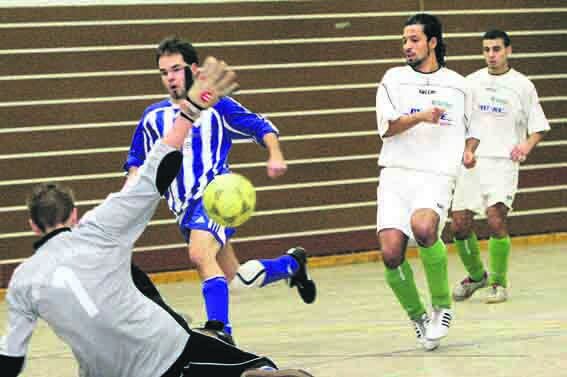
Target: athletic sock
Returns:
[469, 252]
[403, 284]
[499, 249]
[215, 293]
[279, 268]
[434, 260]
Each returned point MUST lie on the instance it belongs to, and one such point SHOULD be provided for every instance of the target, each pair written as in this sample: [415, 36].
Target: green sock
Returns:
[499, 249]
[469, 252]
[434, 260]
[402, 283]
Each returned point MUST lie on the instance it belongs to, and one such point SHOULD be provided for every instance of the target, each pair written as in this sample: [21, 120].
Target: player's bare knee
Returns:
[497, 227]
[461, 224]
[425, 234]
[392, 258]
[200, 257]
[461, 230]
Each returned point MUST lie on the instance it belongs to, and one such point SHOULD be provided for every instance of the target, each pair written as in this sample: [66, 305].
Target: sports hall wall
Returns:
[75, 80]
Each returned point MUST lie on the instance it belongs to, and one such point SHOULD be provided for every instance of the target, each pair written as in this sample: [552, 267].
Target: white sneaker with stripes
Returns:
[439, 325]
[420, 326]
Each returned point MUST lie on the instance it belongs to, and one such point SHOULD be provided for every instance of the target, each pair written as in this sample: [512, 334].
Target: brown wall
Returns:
[61, 90]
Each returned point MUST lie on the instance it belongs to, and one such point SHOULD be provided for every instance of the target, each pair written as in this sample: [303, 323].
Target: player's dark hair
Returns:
[432, 27]
[50, 204]
[498, 34]
[176, 45]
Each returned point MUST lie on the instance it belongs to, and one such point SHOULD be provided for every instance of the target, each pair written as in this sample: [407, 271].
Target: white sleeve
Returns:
[385, 109]
[21, 323]
[537, 122]
[472, 124]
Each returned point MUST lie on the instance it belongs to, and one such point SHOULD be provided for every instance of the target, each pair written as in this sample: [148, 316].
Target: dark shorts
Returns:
[205, 356]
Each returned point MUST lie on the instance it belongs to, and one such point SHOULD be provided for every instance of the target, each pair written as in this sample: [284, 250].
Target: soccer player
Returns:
[423, 112]
[206, 153]
[79, 281]
[506, 109]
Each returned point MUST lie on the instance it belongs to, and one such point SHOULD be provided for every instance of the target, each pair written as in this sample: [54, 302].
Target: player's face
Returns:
[172, 71]
[417, 49]
[496, 55]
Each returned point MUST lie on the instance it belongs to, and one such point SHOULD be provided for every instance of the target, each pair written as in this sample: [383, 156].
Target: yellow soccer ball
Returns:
[230, 199]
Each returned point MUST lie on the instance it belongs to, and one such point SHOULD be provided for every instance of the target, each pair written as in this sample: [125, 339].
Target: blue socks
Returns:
[215, 289]
[215, 292]
[279, 268]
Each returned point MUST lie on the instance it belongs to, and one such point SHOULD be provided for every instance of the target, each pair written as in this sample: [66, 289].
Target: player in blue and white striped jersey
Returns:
[205, 153]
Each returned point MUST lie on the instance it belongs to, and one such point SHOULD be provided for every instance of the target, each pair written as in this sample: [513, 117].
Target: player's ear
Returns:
[194, 68]
[35, 228]
[432, 43]
[74, 217]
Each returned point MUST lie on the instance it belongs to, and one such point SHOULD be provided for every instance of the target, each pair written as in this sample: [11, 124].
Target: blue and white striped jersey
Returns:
[206, 149]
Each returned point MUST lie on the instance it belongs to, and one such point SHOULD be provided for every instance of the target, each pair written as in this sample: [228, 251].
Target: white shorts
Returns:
[491, 181]
[402, 191]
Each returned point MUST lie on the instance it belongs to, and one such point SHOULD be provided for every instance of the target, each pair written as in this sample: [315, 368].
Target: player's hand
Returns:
[520, 152]
[469, 159]
[276, 166]
[432, 115]
[213, 80]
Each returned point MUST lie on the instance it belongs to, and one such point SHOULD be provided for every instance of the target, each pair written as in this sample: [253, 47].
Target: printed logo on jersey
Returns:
[427, 91]
[495, 105]
[444, 120]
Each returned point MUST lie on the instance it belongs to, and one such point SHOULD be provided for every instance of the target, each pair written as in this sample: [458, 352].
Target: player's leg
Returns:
[467, 199]
[499, 251]
[500, 185]
[433, 254]
[429, 214]
[399, 276]
[257, 273]
[393, 228]
[203, 247]
[468, 250]
[205, 239]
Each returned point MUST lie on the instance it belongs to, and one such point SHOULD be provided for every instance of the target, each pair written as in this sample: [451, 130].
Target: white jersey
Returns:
[506, 108]
[436, 148]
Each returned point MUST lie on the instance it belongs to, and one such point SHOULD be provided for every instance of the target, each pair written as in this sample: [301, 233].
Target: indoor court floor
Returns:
[356, 328]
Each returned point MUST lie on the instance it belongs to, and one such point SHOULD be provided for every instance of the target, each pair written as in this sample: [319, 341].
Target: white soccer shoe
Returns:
[420, 326]
[465, 288]
[439, 325]
[496, 294]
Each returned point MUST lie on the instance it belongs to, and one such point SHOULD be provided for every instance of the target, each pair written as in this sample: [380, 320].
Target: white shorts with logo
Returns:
[403, 191]
[491, 181]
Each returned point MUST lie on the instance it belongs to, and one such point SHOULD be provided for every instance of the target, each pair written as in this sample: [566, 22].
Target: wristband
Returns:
[193, 111]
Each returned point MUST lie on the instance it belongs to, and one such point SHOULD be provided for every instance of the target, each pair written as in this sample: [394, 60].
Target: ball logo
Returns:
[206, 96]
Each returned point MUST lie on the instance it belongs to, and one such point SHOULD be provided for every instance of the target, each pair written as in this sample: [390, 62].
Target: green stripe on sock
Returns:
[469, 252]
[403, 284]
[434, 260]
[499, 249]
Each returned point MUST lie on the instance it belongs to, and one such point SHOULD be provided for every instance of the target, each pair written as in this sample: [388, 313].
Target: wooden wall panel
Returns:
[81, 90]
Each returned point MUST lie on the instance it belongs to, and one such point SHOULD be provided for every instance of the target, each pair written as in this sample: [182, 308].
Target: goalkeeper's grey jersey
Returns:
[79, 282]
